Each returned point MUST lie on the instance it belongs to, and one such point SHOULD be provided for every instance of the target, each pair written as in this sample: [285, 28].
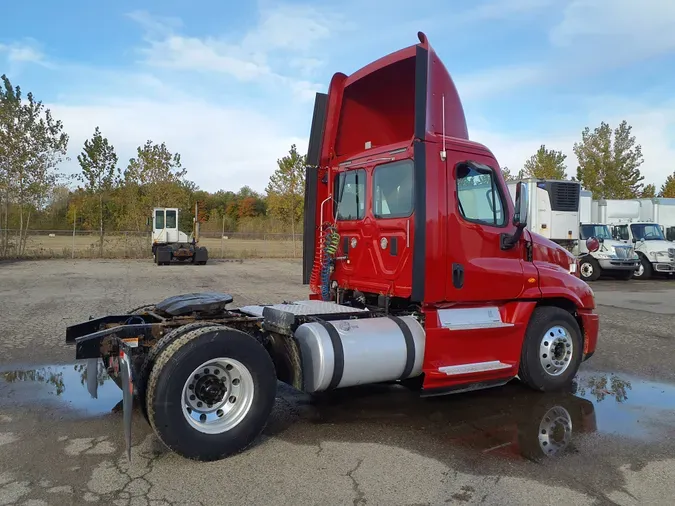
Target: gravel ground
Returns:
[371, 445]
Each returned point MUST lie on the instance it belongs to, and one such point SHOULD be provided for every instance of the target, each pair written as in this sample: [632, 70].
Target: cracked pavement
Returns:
[364, 446]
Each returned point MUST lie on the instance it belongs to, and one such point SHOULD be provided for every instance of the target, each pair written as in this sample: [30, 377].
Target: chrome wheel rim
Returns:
[640, 270]
[555, 430]
[555, 350]
[217, 395]
[586, 269]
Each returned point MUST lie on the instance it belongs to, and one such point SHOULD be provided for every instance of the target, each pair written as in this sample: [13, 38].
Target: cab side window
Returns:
[159, 219]
[479, 197]
[393, 189]
[171, 219]
[350, 195]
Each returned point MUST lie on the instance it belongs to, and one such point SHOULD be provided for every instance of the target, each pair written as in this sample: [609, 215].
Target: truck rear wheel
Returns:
[589, 269]
[143, 373]
[552, 349]
[210, 393]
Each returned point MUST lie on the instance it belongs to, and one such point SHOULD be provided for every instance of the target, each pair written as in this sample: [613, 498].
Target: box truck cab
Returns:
[661, 211]
[611, 257]
[657, 255]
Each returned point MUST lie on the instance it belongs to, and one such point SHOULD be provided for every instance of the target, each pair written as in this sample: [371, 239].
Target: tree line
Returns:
[609, 165]
[113, 196]
[108, 195]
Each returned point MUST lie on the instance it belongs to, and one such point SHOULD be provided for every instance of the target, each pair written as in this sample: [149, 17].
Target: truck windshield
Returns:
[647, 232]
[598, 231]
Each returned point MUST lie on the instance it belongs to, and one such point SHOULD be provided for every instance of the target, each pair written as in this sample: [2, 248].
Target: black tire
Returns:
[143, 375]
[532, 371]
[589, 268]
[647, 269]
[172, 368]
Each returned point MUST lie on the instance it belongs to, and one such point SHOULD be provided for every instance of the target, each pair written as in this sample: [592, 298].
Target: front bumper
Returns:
[664, 266]
[615, 264]
[590, 322]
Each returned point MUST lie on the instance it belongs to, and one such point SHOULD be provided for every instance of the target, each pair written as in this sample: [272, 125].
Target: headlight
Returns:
[603, 256]
[661, 254]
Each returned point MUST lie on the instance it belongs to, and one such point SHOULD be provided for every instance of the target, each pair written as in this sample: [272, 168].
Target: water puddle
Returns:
[629, 406]
[506, 421]
[68, 387]
[503, 422]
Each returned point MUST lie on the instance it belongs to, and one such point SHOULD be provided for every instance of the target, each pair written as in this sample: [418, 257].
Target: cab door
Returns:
[479, 212]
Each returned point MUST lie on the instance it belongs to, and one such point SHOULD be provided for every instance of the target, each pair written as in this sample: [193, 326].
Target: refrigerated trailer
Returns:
[657, 255]
[420, 270]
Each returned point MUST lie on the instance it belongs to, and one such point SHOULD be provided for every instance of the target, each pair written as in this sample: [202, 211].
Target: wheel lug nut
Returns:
[191, 387]
[192, 397]
[219, 412]
[228, 367]
[216, 371]
[232, 399]
[199, 404]
[206, 371]
[235, 381]
[196, 376]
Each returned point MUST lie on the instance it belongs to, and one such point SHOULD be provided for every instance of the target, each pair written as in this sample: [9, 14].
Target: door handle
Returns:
[457, 275]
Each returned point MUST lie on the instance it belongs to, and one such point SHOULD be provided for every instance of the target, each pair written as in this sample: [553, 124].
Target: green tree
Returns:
[32, 144]
[98, 161]
[286, 189]
[508, 177]
[609, 162]
[154, 178]
[668, 188]
[648, 191]
[546, 164]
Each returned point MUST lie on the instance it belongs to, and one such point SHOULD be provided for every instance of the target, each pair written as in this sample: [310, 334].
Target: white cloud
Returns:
[652, 128]
[22, 53]
[628, 29]
[286, 37]
[499, 9]
[222, 147]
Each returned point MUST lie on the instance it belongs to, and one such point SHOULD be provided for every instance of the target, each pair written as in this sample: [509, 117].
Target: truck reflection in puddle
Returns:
[507, 421]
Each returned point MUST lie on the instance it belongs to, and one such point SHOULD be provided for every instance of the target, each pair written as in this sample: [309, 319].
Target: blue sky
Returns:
[230, 85]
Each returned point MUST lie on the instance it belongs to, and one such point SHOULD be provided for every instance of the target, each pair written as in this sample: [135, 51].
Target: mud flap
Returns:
[127, 397]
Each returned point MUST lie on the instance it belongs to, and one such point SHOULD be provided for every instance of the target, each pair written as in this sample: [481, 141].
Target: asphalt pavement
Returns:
[609, 440]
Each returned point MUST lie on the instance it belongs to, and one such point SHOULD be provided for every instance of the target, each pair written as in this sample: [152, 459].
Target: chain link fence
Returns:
[132, 244]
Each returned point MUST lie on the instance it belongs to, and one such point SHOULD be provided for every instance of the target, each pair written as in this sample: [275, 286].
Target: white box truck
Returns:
[561, 211]
[661, 211]
[613, 257]
[655, 252]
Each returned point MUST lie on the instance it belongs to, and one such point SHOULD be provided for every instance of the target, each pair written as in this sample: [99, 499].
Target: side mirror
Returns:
[592, 244]
[521, 206]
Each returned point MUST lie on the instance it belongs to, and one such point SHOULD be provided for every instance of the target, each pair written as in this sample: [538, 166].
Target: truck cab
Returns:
[404, 213]
[165, 226]
[657, 255]
[611, 256]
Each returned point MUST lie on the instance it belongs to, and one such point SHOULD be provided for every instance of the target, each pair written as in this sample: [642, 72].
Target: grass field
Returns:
[130, 246]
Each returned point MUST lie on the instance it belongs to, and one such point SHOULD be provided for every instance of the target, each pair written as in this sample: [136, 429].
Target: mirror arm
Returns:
[508, 241]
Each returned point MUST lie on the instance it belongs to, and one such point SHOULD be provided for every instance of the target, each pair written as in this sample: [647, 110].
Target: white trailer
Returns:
[655, 252]
[613, 257]
[554, 209]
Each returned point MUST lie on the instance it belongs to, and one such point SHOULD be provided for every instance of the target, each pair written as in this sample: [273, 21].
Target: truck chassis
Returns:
[205, 376]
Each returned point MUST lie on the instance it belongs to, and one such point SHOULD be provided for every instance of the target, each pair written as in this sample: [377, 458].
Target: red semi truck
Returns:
[420, 269]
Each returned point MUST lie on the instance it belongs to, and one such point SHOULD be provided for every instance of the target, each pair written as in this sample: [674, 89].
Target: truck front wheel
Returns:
[552, 349]
[644, 270]
[589, 269]
[210, 393]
